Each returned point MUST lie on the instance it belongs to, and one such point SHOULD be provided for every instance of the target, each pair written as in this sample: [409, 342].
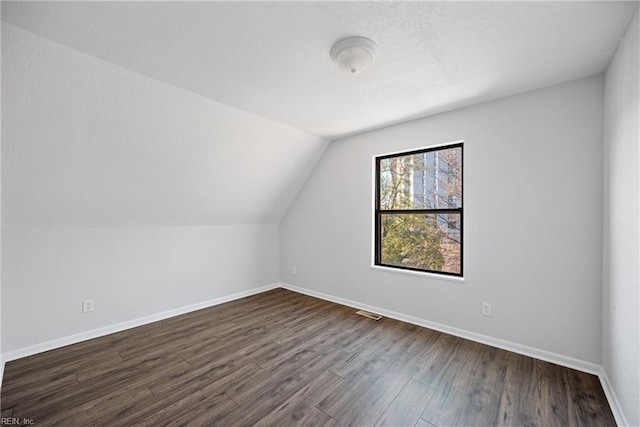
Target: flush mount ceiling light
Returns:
[354, 54]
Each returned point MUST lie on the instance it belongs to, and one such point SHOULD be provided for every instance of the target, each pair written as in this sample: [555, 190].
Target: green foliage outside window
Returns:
[420, 210]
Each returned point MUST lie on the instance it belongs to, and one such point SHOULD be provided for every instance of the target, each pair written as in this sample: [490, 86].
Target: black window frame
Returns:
[378, 212]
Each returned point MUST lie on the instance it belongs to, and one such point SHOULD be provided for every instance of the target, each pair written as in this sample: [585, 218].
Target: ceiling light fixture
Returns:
[354, 54]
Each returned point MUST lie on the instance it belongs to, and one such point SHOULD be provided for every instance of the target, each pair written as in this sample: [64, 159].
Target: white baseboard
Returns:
[558, 359]
[547, 356]
[1, 370]
[614, 403]
[118, 327]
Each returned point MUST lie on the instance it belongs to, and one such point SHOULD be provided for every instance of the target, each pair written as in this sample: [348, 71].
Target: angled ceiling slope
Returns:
[272, 58]
[88, 143]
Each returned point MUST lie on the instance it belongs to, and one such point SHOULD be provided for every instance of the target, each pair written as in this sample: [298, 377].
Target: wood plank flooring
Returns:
[285, 359]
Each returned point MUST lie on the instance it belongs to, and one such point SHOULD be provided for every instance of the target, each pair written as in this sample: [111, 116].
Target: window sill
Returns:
[419, 273]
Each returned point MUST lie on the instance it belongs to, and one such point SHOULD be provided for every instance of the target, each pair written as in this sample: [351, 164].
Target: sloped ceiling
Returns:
[171, 113]
[271, 58]
[87, 143]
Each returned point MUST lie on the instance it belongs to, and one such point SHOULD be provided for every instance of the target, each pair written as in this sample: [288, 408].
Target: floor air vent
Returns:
[369, 315]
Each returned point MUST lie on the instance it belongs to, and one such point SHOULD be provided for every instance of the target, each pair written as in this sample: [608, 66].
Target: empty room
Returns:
[320, 213]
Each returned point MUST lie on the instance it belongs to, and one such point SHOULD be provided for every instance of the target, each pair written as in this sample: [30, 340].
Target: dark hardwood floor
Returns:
[282, 358]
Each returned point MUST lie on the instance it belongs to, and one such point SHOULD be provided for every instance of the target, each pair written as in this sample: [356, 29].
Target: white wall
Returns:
[127, 190]
[621, 303]
[1, 358]
[533, 221]
[130, 272]
[89, 143]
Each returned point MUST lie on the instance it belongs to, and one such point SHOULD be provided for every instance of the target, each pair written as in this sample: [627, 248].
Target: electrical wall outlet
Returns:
[294, 270]
[486, 309]
[87, 306]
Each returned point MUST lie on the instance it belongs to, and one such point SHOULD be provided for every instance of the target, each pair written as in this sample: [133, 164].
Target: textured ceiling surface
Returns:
[272, 58]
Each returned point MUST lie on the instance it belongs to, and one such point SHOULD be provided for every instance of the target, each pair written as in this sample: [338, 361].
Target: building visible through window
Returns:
[418, 212]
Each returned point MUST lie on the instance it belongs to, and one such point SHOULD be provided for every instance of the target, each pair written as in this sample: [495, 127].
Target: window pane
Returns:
[431, 180]
[423, 241]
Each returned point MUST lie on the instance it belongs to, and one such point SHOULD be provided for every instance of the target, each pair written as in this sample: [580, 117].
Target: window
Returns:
[418, 210]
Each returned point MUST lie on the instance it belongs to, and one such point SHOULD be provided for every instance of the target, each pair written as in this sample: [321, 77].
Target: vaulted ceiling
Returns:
[172, 113]
[271, 59]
